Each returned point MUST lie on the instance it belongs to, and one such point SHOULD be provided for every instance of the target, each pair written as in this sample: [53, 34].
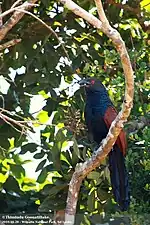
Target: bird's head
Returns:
[92, 84]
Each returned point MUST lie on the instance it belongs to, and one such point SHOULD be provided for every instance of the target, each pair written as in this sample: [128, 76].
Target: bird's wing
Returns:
[88, 119]
[109, 116]
[97, 129]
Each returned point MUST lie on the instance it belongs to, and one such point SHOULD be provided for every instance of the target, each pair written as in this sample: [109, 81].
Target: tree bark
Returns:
[14, 19]
[82, 170]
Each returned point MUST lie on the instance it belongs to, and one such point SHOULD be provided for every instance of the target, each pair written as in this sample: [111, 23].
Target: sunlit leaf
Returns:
[145, 4]
[43, 117]
[3, 178]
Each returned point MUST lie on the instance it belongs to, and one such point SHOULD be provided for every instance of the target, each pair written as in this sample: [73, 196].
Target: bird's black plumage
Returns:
[99, 113]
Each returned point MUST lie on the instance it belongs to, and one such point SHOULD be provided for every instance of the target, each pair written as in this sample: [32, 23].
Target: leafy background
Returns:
[57, 141]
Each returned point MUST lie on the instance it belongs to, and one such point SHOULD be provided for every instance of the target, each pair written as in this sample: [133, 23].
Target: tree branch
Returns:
[16, 3]
[12, 121]
[1, 20]
[135, 125]
[15, 18]
[11, 10]
[20, 11]
[82, 13]
[101, 13]
[82, 170]
[9, 44]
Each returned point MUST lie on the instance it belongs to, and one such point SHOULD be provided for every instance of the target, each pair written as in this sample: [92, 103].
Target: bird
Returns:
[99, 113]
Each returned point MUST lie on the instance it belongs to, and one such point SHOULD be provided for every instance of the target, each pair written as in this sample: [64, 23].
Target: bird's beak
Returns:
[84, 83]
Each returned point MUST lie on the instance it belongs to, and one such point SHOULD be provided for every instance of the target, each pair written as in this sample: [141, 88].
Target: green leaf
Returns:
[52, 204]
[67, 156]
[3, 178]
[76, 148]
[91, 201]
[93, 175]
[60, 137]
[18, 171]
[54, 190]
[102, 194]
[46, 189]
[43, 116]
[31, 147]
[56, 156]
[50, 106]
[42, 176]
[11, 184]
[17, 159]
[39, 155]
[64, 158]
[41, 165]
[32, 78]
[107, 174]
[56, 149]
[2, 154]
[145, 4]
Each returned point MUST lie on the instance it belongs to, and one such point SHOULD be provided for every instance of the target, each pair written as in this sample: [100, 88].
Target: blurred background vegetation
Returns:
[37, 82]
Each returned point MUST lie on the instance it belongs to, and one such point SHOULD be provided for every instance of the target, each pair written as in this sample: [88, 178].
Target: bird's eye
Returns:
[92, 82]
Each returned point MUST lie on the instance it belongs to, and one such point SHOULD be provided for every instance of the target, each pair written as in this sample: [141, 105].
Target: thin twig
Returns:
[6, 78]
[146, 5]
[13, 20]
[11, 113]
[8, 119]
[48, 27]
[16, 3]
[11, 10]
[18, 122]
[36, 111]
